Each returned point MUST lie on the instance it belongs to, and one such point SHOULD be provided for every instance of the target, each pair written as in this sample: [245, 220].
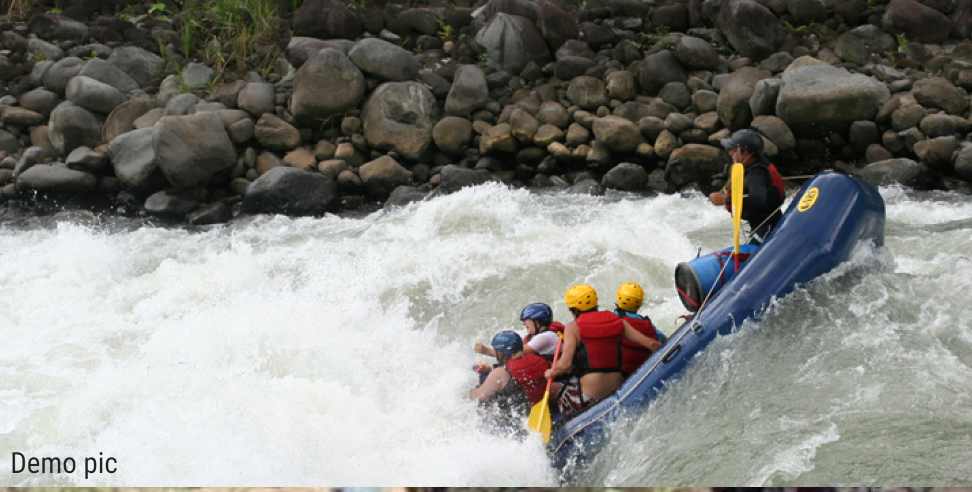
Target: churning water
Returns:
[338, 350]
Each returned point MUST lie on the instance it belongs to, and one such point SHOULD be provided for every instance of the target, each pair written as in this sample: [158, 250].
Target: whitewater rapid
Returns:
[337, 350]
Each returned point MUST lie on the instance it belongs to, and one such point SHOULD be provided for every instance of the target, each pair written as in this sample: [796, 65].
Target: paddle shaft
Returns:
[738, 173]
[546, 392]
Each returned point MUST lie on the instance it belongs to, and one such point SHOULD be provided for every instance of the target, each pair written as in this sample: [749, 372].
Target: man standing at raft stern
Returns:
[518, 378]
[601, 334]
[762, 184]
[628, 300]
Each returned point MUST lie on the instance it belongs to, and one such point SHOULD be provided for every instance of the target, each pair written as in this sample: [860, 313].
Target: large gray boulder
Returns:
[512, 41]
[963, 163]
[893, 171]
[123, 118]
[275, 133]
[105, 72]
[400, 116]
[937, 153]
[134, 159]
[326, 19]
[301, 48]
[454, 178]
[382, 175]
[191, 149]
[941, 125]
[569, 67]
[141, 65]
[39, 100]
[659, 69]
[821, 95]
[751, 28]
[170, 204]
[8, 142]
[403, 195]
[291, 191]
[61, 72]
[469, 91]
[693, 163]
[765, 93]
[587, 92]
[775, 129]
[328, 83]
[862, 42]
[384, 60]
[556, 25]
[617, 134]
[916, 21]
[451, 134]
[938, 92]
[58, 28]
[626, 177]
[72, 126]
[697, 53]
[56, 179]
[733, 103]
[93, 95]
[256, 98]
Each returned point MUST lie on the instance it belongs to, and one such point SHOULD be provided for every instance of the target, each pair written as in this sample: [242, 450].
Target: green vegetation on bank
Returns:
[231, 36]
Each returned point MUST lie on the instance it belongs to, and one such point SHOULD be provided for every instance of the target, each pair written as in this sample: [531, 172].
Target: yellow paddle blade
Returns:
[737, 203]
[539, 420]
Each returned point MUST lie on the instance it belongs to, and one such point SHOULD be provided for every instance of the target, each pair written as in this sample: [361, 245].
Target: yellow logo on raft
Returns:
[808, 199]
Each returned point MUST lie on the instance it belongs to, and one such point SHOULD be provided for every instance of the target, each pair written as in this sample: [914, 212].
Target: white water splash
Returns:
[337, 350]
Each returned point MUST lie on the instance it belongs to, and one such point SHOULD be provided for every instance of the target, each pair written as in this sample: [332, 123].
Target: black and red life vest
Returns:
[776, 180]
[633, 355]
[602, 333]
[527, 370]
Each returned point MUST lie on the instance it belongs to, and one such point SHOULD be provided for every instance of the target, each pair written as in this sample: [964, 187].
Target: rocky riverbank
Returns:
[387, 103]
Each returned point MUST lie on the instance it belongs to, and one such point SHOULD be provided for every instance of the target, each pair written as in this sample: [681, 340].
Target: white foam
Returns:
[337, 350]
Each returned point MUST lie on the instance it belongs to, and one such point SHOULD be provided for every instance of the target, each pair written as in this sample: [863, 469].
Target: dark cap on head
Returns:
[747, 139]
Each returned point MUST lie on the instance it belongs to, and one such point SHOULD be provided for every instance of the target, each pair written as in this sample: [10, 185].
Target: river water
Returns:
[337, 350]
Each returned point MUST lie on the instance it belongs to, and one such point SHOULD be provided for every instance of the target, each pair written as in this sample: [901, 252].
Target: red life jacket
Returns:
[527, 370]
[602, 332]
[777, 180]
[633, 355]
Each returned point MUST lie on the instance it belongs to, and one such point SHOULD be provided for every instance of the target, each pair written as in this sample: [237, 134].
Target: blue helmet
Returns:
[507, 343]
[539, 312]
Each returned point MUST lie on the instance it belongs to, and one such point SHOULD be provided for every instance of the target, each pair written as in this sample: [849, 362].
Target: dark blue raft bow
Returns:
[830, 215]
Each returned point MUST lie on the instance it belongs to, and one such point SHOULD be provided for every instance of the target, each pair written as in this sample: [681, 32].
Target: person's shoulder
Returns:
[759, 168]
[551, 335]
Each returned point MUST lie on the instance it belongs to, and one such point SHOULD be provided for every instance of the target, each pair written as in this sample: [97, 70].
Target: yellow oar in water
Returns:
[539, 420]
[737, 206]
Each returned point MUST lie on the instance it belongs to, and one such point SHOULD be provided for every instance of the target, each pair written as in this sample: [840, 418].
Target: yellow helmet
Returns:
[581, 297]
[630, 296]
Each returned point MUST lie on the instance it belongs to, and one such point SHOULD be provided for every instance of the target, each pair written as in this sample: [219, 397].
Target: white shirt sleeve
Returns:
[544, 343]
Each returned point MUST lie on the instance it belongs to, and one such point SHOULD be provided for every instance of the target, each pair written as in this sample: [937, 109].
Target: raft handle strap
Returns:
[672, 353]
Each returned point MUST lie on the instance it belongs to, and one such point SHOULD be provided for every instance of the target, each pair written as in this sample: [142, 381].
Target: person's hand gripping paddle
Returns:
[539, 420]
[737, 206]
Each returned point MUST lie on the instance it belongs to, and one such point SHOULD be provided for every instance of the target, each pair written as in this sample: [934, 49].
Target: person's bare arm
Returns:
[482, 348]
[569, 345]
[640, 338]
[498, 379]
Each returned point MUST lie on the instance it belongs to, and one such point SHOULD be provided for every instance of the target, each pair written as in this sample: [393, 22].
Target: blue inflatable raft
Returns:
[829, 216]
